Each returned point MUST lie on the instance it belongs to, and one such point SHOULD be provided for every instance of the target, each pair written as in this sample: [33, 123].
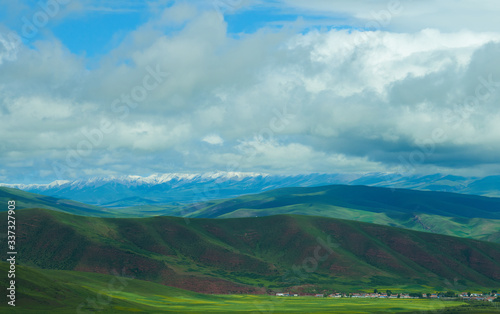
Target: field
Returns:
[309, 304]
[271, 304]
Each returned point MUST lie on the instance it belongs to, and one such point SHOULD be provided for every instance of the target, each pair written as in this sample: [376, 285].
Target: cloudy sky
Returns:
[97, 88]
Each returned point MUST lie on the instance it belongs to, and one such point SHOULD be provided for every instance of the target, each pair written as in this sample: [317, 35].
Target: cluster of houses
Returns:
[479, 297]
[286, 294]
[464, 295]
[352, 295]
[373, 295]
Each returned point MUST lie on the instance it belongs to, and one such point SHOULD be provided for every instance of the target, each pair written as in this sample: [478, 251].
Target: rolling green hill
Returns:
[252, 255]
[56, 291]
[374, 199]
[438, 212]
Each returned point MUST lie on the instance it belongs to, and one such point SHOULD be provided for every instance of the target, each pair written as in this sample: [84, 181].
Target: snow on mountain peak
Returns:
[158, 178]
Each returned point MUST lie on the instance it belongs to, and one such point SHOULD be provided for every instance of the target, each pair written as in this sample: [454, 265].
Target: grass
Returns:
[272, 304]
[56, 291]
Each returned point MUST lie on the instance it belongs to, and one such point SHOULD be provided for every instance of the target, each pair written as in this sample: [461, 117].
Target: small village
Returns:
[490, 297]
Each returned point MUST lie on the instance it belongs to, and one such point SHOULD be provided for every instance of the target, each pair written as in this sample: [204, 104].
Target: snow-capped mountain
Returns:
[132, 180]
[178, 188]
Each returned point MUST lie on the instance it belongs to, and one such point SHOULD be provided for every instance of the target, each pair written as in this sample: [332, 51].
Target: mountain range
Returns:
[253, 255]
[438, 212]
[454, 214]
[172, 188]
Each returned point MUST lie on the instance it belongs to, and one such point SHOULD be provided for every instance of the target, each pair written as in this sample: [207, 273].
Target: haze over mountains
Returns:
[454, 214]
[176, 188]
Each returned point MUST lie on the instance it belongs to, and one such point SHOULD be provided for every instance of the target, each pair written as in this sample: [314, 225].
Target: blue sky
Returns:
[96, 33]
[95, 28]
[136, 88]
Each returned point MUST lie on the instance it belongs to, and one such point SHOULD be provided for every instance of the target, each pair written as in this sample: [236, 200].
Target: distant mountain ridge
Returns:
[30, 200]
[447, 213]
[462, 215]
[181, 188]
[367, 198]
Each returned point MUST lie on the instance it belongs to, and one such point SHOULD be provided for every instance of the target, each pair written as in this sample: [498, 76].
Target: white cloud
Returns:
[273, 156]
[179, 13]
[213, 139]
[404, 15]
[329, 100]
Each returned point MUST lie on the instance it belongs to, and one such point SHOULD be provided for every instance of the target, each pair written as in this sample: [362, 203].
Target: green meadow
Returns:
[272, 304]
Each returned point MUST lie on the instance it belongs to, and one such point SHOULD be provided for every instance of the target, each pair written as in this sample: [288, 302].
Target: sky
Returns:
[108, 88]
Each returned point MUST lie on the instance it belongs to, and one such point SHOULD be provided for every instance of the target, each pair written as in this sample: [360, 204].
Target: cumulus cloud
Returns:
[274, 100]
[404, 15]
[213, 139]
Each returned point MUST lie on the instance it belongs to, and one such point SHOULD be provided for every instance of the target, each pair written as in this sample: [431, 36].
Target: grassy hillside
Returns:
[374, 199]
[438, 212]
[56, 291]
[253, 255]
